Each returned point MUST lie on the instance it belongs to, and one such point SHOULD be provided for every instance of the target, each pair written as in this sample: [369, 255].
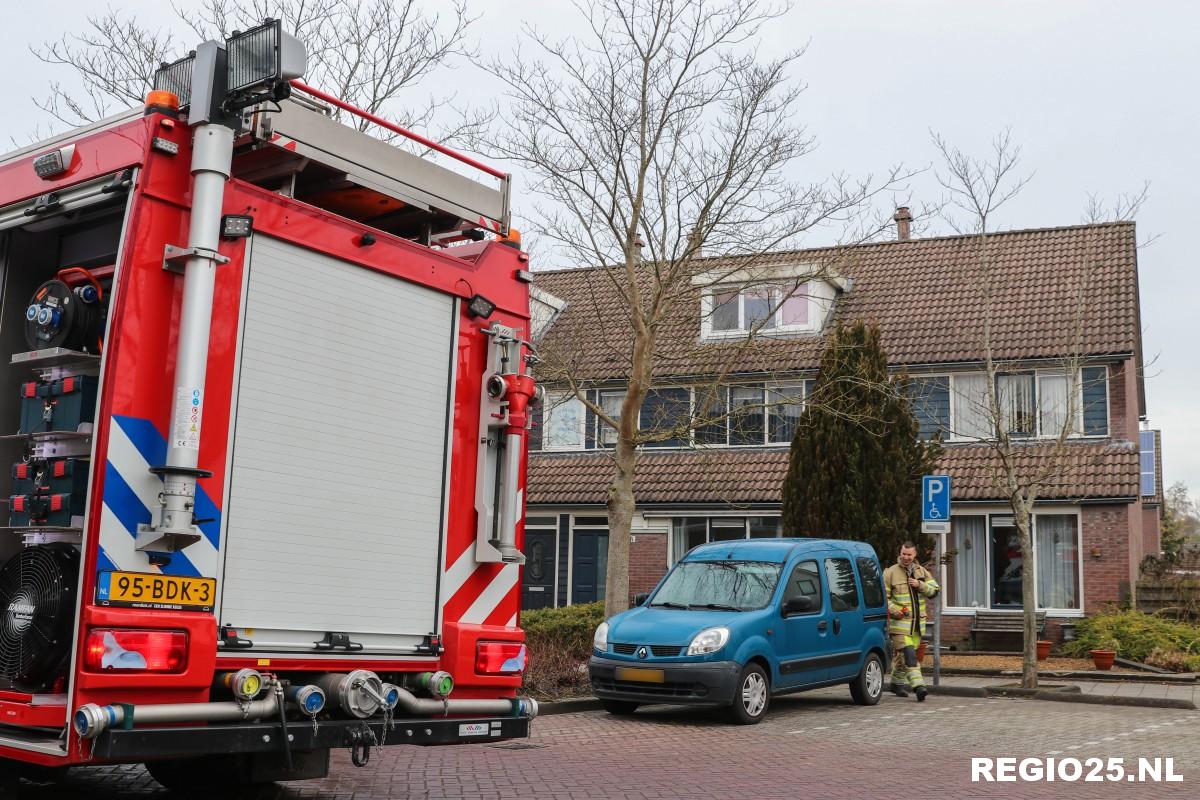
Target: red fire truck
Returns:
[265, 381]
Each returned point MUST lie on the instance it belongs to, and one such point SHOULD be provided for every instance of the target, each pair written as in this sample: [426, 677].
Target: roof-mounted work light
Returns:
[217, 80]
[261, 62]
[176, 78]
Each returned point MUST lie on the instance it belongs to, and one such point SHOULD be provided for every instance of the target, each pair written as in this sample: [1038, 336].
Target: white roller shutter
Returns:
[337, 479]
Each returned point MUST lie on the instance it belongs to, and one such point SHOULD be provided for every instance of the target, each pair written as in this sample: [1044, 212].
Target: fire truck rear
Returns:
[265, 387]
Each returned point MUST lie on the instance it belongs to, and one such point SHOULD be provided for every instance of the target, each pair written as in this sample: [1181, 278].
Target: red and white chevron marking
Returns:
[481, 594]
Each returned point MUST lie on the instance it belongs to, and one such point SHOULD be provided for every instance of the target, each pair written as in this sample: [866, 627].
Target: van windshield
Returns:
[723, 585]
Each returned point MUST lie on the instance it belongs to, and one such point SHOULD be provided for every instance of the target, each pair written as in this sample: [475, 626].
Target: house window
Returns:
[739, 310]
[746, 415]
[688, 532]
[930, 399]
[562, 426]
[610, 401]
[966, 570]
[971, 417]
[1015, 396]
[666, 411]
[1057, 404]
[987, 566]
[1095, 400]
[785, 402]
[1042, 403]
[1056, 538]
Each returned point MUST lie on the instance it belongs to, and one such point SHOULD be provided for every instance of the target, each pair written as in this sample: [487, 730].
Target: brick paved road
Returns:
[816, 745]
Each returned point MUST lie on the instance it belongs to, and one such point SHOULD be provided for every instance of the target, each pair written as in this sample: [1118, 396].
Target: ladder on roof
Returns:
[300, 133]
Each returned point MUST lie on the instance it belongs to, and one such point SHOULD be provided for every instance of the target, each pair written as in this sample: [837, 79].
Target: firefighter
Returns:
[909, 587]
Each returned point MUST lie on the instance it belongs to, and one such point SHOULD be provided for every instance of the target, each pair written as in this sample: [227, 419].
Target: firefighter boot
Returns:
[922, 693]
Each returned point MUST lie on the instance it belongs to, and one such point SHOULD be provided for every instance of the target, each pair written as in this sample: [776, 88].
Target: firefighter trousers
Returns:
[906, 670]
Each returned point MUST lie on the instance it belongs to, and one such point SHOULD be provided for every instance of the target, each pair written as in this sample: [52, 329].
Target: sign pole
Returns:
[935, 520]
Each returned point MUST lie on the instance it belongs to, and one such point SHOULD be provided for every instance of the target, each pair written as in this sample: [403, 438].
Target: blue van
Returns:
[737, 622]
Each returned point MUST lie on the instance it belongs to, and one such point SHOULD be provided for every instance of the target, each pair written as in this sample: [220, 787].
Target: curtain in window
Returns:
[686, 533]
[1057, 547]
[793, 311]
[966, 573]
[610, 402]
[784, 404]
[1015, 396]
[971, 417]
[1055, 404]
[563, 428]
[746, 415]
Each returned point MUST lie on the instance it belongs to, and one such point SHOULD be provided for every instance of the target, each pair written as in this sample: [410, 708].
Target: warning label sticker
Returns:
[188, 405]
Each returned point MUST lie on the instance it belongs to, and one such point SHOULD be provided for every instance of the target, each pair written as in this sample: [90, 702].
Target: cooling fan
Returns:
[37, 601]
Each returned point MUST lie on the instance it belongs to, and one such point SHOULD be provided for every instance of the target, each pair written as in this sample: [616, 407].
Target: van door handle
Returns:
[837, 627]
[822, 625]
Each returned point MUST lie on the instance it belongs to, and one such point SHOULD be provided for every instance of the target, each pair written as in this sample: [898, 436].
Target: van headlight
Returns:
[709, 640]
[600, 640]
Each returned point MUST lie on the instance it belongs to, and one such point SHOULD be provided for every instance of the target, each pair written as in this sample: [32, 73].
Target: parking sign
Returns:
[935, 498]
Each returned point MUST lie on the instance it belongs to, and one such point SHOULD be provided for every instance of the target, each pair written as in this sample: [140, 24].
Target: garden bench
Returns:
[1009, 623]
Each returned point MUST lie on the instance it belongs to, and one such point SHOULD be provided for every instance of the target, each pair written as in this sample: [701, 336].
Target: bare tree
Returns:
[372, 53]
[1002, 414]
[656, 138]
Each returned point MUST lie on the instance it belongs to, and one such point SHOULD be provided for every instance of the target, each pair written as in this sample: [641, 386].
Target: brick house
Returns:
[1093, 524]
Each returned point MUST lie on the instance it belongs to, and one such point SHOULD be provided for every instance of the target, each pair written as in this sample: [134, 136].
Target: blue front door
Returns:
[589, 565]
[804, 639]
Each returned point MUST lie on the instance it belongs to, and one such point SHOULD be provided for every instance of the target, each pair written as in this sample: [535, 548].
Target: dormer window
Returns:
[736, 311]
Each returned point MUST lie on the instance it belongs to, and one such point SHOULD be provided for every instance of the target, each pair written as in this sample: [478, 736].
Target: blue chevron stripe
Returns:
[127, 508]
[153, 447]
[122, 500]
[104, 563]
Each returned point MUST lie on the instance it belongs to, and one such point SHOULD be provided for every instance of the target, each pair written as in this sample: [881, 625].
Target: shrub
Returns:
[1173, 660]
[1135, 635]
[560, 642]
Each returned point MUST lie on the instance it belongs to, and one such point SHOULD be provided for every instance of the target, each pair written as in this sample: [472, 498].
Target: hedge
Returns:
[1138, 636]
[560, 643]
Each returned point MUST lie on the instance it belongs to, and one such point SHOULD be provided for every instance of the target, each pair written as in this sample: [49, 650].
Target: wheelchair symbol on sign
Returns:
[934, 513]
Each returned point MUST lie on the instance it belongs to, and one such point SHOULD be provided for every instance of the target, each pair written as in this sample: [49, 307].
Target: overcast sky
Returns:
[1099, 94]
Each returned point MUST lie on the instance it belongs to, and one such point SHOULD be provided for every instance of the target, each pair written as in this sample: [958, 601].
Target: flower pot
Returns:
[1103, 658]
[921, 652]
[1043, 649]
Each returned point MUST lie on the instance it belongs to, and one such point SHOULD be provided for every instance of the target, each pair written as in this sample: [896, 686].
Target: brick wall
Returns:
[1118, 395]
[956, 630]
[647, 561]
[1106, 555]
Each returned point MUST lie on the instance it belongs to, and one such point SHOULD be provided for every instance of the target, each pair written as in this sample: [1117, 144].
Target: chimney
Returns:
[903, 220]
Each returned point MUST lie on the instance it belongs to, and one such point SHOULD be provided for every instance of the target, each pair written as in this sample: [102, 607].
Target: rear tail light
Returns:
[500, 658]
[124, 650]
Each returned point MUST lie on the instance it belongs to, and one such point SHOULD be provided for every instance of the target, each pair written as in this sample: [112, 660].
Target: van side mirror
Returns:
[640, 598]
[800, 605]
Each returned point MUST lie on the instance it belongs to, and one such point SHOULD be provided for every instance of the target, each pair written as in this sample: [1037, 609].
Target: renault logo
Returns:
[641, 653]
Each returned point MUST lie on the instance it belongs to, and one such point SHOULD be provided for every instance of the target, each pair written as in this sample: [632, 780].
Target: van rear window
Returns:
[728, 585]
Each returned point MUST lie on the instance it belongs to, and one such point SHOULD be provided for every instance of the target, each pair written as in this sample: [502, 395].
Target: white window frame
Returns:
[800, 383]
[673, 556]
[603, 430]
[987, 512]
[556, 399]
[775, 292]
[1038, 374]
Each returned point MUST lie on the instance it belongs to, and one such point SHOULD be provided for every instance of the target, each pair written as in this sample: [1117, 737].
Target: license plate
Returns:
[145, 590]
[640, 675]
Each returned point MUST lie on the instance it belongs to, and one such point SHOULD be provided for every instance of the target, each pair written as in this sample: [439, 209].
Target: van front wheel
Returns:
[752, 696]
[868, 686]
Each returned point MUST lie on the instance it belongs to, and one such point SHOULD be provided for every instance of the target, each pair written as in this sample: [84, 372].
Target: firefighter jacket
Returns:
[908, 607]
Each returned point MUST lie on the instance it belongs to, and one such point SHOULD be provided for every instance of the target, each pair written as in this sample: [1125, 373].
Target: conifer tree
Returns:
[856, 459]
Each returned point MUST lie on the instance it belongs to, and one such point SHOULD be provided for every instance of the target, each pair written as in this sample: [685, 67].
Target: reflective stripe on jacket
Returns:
[903, 617]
